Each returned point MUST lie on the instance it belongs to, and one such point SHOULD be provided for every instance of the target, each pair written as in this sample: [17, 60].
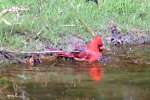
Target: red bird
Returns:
[92, 52]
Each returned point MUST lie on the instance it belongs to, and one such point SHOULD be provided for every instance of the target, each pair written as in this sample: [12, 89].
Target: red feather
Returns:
[93, 50]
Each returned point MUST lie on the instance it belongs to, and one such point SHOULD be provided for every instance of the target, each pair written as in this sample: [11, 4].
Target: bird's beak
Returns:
[102, 48]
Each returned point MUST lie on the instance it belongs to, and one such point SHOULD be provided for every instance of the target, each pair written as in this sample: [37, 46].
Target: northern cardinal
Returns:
[91, 53]
[93, 50]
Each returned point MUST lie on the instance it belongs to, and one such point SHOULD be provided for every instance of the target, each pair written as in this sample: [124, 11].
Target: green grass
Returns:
[53, 17]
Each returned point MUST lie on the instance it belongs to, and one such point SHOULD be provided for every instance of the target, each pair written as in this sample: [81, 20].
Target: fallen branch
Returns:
[16, 10]
[36, 52]
[23, 56]
[13, 10]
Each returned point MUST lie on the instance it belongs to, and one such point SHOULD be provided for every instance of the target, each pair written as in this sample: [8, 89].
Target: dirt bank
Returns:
[70, 43]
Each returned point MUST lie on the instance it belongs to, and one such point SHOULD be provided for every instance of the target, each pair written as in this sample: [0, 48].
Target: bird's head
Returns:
[99, 43]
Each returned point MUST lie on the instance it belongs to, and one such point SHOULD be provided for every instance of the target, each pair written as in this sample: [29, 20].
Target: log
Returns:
[30, 57]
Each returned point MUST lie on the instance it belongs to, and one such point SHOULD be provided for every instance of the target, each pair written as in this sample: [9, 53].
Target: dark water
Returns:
[123, 75]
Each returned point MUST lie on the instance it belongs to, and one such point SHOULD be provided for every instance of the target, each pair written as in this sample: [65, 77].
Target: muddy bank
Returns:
[71, 43]
[133, 37]
[116, 38]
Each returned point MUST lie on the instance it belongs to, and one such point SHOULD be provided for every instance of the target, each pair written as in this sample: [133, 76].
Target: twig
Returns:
[16, 10]
[13, 10]
[6, 21]
[86, 26]
[36, 52]
[70, 25]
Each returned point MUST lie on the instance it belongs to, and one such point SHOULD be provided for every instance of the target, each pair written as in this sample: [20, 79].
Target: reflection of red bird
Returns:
[93, 50]
[96, 73]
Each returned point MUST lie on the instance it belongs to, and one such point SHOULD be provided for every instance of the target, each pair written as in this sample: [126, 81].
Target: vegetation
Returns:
[47, 19]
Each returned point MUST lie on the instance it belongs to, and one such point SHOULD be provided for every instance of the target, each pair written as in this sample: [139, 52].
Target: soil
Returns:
[71, 43]
[133, 37]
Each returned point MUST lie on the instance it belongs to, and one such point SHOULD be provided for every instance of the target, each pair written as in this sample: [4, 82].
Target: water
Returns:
[123, 75]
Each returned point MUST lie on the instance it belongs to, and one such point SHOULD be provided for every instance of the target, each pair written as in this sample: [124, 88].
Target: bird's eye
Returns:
[99, 47]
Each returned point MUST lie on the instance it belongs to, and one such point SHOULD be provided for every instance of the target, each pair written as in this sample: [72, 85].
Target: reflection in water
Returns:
[127, 77]
[63, 81]
[96, 72]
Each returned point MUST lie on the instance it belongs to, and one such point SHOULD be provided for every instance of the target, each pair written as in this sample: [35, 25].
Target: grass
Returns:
[53, 17]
